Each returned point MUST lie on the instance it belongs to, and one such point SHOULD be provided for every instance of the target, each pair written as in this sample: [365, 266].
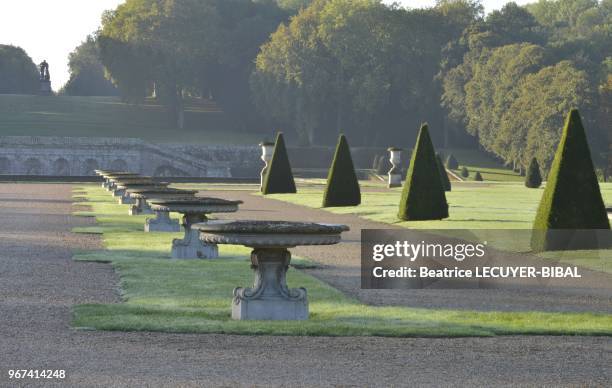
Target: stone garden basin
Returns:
[117, 182]
[270, 298]
[123, 187]
[162, 222]
[110, 175]
[194, 211]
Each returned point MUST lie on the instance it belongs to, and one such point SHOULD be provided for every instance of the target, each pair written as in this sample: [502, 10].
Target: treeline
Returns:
[510, 77]
[315, 68]
[18, 73]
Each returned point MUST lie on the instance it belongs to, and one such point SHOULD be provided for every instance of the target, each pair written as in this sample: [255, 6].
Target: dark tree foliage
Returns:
[572, 198]
[188, 48]
[443, 175]
[465, 172]
[87, 73]
[279, 178]
[342, 184]
[18, 73]
[533, 180]
[478, 177]
[451, 162]
[423, 196]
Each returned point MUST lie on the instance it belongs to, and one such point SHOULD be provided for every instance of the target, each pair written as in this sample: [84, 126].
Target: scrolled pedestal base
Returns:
[125, 199]
[270, 298]
[140, 207]
[161, 223]
[191, 247]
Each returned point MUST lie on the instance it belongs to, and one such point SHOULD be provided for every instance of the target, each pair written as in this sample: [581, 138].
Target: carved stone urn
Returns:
[395, 173]
[270, 298]
[267, 149]
[194, 211]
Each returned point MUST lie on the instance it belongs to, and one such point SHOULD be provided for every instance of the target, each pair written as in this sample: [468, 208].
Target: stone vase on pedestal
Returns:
[270, 298]
[194, 211]
[395, 173]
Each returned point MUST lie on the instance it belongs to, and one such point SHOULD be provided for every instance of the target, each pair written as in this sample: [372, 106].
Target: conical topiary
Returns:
[478, 177]
[451, 162]
[534, 178]
[465, 172]
[342, 185]
[443, 175]
[423, 196]
[279, 178]
[572, 198]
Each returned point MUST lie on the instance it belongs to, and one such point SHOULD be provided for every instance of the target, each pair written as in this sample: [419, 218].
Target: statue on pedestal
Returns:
[45, 78]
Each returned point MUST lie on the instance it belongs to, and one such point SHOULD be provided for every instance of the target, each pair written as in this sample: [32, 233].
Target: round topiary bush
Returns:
[465, 172]
[478, 177]
[423, 196]
[279, 178]
[342, 185]
[451, 162]
[443, 175]
[533, 180]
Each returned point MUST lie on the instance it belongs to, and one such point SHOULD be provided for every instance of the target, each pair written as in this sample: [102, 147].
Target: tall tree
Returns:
[87, 76]
[18, 74]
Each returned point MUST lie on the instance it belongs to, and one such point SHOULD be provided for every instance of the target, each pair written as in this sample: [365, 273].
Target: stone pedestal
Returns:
[190, 246]
[395, 173]
[194, 211]
[140, 206]
[162, 223]
[270, 298]
[45, 88]
[125, 199]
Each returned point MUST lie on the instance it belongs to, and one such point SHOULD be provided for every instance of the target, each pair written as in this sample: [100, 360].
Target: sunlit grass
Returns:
[194, 296]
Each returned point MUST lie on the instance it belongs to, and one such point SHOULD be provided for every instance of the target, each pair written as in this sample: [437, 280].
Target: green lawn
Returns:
[478, 210]
[490, 169]
[194, 296]
[23, 115]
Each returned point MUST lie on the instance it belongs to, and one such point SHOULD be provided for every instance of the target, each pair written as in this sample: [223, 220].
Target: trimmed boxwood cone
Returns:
[342, 185]
[279, 178]
[443, 175]
[423, 196]
[465, 172]
[478, 177]
[451, 162]
[572, 198]
[534, 178]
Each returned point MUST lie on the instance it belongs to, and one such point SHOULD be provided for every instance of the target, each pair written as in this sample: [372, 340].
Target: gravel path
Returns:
[340, 266]
[39, 283]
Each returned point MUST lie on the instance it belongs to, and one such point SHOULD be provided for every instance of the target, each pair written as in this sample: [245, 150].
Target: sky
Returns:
[51, 29]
